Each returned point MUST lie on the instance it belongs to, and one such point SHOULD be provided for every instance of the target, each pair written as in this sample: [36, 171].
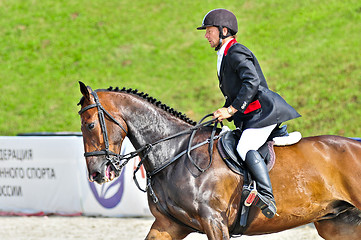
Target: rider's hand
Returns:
[221, 114]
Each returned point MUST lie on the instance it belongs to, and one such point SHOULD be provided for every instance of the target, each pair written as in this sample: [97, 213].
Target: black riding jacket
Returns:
[245, 88]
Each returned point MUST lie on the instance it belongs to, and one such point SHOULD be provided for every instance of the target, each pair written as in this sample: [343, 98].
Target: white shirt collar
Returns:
[220, 54]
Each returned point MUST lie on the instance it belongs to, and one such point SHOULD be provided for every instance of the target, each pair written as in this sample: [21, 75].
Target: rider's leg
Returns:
[251, 140]
[259, 172]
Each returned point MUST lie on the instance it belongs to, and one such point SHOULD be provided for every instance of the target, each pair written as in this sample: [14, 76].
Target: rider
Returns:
[254, 108]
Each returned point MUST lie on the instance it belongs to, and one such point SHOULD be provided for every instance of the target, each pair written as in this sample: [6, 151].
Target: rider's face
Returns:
[212, 35]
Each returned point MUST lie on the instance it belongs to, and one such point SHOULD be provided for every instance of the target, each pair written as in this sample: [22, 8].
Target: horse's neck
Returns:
[149, 125]
[152, 132]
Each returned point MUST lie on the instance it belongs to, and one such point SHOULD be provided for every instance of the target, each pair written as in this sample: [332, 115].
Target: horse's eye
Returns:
[91, 126]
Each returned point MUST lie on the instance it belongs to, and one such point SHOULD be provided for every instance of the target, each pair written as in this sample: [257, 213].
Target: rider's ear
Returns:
[84, 90]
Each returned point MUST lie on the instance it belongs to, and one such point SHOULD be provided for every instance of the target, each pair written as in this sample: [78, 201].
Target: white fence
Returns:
[47, 175]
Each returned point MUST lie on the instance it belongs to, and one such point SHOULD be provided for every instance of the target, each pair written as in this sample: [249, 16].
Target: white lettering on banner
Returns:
[30, 173]
[10, 191]
[16, 154]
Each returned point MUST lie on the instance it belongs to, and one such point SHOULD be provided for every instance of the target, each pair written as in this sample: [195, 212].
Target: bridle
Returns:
[116, 159]
[101, 112]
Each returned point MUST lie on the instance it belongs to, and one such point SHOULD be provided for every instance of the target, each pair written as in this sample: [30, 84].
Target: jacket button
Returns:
[244, 105]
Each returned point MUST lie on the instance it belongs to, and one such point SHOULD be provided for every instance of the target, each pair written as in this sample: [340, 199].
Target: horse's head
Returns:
[103, 133]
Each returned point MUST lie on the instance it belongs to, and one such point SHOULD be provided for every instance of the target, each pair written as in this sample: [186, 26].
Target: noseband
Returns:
[101, 112]
[117, 159]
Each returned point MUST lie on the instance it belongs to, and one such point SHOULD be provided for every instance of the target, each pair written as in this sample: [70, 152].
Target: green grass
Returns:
[310, 52]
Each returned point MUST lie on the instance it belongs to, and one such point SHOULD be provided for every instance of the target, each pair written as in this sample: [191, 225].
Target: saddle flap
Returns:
[229, 143]
[227, 149]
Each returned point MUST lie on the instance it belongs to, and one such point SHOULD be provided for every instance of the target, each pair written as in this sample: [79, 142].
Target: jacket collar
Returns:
[229, 44]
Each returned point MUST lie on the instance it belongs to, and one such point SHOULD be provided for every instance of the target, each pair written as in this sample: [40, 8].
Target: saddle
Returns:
[227, 145]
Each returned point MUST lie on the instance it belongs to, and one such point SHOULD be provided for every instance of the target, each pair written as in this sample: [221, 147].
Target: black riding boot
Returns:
[259, 172]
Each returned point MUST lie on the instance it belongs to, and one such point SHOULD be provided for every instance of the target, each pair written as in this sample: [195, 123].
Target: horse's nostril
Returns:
[94, 176]
[98, 177]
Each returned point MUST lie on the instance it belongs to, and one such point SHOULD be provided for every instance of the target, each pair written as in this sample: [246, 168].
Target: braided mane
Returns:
[155, 102]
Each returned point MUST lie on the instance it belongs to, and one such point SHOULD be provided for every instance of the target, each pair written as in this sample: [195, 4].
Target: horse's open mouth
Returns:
[109, 173]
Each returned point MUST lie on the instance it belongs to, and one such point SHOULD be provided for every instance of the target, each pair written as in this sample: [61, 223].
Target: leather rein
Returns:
[119, 161]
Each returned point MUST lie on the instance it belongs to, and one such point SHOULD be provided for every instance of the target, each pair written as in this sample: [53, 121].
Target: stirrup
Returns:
[251, 195]
[267, 206]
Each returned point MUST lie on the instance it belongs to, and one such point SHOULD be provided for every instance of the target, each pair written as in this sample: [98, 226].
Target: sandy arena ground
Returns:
[57, 228]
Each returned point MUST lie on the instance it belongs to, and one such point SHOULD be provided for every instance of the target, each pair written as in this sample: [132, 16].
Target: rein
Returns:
[119, 161]
[191, 131]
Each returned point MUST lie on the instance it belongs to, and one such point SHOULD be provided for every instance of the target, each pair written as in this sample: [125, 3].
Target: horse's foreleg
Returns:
[213, 224]
[215, 230]
[165, 230]
[158, 234]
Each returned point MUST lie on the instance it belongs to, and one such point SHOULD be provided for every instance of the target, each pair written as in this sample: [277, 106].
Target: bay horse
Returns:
[314, 181]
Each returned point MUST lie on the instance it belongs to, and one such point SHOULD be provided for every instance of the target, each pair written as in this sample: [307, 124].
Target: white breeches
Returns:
[253, 139]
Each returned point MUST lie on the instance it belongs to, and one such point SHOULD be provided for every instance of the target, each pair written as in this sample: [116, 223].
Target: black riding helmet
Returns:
[220, 18]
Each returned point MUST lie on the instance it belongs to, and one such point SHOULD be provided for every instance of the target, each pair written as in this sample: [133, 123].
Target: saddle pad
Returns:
[292, 138]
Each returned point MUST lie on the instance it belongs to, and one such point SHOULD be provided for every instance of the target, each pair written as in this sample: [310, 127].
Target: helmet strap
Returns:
[219, 45]
[220, 29]
[221, 37]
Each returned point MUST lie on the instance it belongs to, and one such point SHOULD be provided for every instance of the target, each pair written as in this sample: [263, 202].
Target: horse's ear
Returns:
[85, 90]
